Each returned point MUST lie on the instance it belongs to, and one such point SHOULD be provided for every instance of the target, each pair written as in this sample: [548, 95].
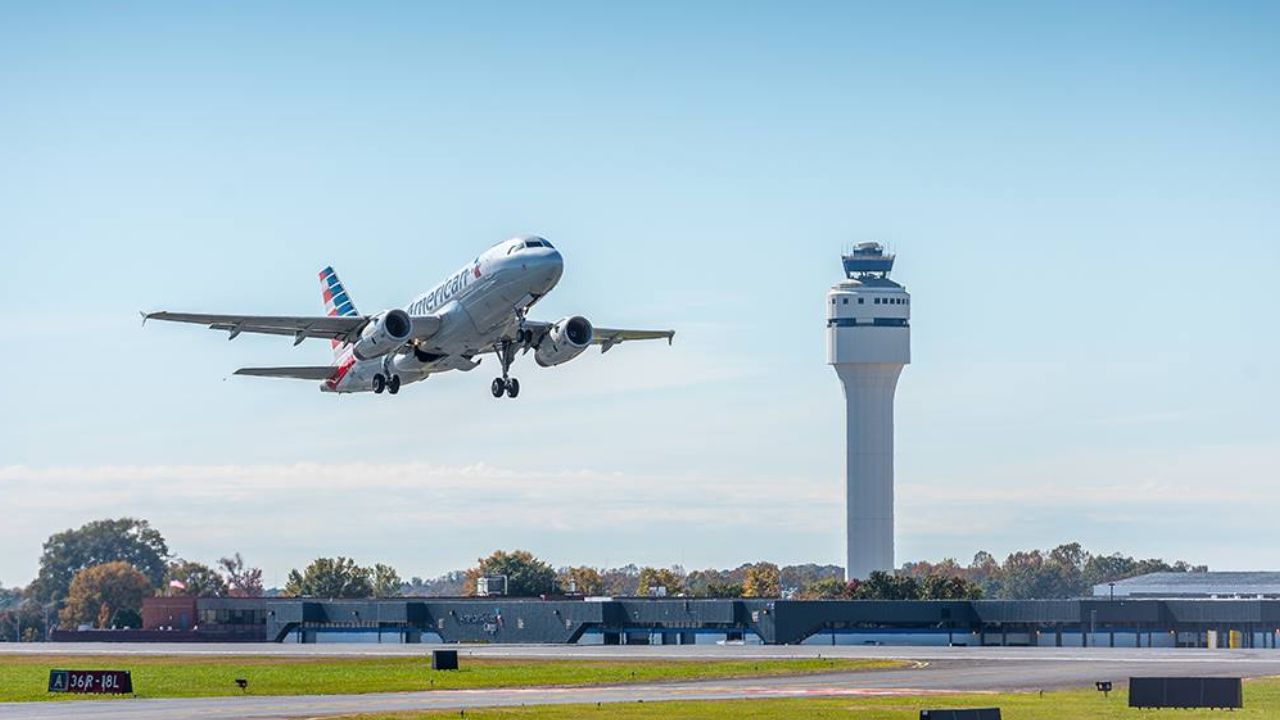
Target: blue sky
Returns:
[1083, 197]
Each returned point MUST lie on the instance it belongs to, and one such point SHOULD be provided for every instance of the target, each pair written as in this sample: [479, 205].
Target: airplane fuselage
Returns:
[479, 306]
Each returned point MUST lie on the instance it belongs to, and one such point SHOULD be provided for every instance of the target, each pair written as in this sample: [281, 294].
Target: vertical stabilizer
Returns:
[336, 301]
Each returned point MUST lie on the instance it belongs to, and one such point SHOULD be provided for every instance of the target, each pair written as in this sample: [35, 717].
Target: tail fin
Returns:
[336, 300]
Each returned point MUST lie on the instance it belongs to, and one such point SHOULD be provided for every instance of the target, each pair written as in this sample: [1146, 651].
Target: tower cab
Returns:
[868, 299]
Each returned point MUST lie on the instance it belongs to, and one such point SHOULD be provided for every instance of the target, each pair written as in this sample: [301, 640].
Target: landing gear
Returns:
[393, 385]
[510, 386]
[379, 384]
[506, 350]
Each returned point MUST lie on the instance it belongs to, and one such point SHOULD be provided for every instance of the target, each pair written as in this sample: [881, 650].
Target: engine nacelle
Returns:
[385, 332]
[566, 340]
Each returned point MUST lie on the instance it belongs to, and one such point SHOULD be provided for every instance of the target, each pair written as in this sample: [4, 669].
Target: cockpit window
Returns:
[531, 243]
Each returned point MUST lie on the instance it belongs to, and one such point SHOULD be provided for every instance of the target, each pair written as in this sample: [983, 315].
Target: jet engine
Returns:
[565, 340]
[385, 332]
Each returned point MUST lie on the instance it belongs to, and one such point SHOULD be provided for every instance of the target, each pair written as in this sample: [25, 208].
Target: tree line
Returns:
[98, 574]
[1066, 571]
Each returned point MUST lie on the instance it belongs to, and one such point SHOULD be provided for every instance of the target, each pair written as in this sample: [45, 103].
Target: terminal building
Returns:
[1099, 621]
[1194, 585]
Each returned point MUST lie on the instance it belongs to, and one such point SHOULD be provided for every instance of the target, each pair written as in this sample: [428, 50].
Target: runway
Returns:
[935, 670]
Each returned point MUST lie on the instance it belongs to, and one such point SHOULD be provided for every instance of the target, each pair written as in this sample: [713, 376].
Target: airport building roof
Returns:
[1195, 584]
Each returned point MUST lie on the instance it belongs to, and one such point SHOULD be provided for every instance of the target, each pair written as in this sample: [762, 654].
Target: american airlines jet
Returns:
[480, 308]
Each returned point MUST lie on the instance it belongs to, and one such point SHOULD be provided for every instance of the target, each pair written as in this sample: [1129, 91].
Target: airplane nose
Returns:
[555, 266]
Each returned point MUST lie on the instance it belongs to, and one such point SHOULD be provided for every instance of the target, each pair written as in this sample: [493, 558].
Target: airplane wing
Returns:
[329, 327]
[310, 372]
[607, 337]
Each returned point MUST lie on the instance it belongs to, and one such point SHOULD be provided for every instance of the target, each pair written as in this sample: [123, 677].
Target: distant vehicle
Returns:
[480, 308]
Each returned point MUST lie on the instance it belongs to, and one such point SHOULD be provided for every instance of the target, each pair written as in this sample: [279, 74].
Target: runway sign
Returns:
[1185, 692]
[444, 659]
[961, 714]
[91, 681]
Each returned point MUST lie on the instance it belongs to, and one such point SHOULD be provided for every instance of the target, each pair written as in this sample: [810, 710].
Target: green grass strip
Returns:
[26, 678]
[1261, 700]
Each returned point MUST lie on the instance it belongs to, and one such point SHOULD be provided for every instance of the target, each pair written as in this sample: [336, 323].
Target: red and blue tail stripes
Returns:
[336, 300]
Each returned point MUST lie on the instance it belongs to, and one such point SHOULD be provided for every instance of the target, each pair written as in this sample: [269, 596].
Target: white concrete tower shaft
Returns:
[868, 342]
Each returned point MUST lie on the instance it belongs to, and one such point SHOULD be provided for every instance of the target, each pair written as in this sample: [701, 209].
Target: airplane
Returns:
[481, 308]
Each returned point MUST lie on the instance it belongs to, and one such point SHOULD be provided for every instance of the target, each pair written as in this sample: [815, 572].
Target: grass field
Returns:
[1261, 700]
[26, 678]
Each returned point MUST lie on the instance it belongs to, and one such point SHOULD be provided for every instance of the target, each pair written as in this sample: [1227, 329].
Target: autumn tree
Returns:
[386, 581]
[10, 597]
[650, 579]
[338, 577]
[763, 580]
[985, 571]
[241, 581]
[581, 580]
[881, 585]
[949, 587]
[100, 592]
[799, 577]
[103, 541]
[21, 618]
[188, 578]
[450, 584]
[527, 576]
[828, 588]
[723, 590]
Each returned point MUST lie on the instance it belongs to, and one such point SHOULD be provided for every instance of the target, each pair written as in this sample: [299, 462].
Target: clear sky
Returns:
[1085, 199]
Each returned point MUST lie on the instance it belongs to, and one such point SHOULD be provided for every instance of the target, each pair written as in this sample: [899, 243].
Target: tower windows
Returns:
[844, 301]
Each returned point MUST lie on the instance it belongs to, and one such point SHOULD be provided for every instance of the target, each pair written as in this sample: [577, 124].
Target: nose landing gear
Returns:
[506, 351]
[509, 386]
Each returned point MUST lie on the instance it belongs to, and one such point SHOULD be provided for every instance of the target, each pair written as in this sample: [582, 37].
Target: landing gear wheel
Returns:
[498, 387]
[379, 384]
[513, 387]
[393, 385]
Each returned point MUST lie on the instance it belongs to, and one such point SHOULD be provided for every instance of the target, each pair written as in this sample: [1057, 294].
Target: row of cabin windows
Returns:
[879, 301]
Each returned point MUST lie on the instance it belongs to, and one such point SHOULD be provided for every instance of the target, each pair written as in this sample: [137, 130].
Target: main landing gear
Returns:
[381, 383]
[506, 350]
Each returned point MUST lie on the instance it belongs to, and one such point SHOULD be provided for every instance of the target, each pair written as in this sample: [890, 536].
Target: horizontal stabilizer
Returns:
[314, 372]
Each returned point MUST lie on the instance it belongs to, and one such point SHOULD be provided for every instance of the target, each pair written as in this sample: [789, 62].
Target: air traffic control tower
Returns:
[868, 342]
